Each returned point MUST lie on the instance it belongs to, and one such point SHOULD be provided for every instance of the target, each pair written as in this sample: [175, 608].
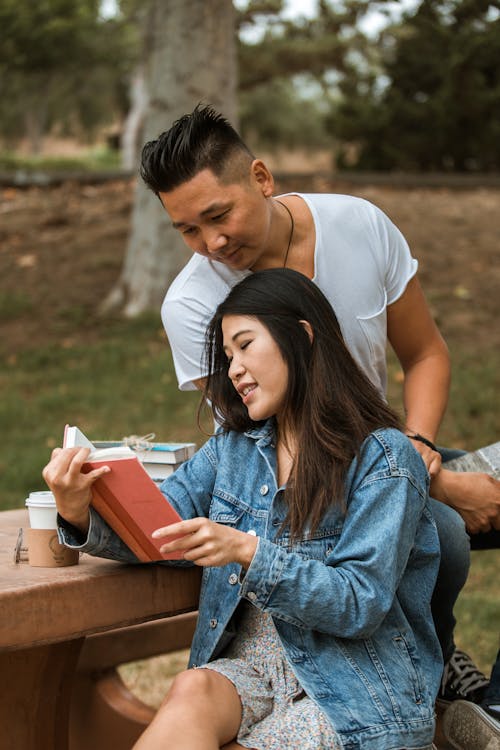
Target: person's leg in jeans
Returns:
[461, 678]
[453, 571]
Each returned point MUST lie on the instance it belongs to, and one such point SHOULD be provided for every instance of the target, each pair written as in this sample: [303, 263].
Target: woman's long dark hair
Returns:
[330, 405]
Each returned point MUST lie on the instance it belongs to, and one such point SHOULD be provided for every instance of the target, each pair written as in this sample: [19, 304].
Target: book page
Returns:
[74, 438]
[112, 454]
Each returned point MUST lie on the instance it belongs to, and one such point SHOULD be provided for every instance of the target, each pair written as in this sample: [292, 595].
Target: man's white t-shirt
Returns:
[362, 264]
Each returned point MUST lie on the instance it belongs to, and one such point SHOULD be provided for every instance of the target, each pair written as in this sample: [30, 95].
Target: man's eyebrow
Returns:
[212, 208]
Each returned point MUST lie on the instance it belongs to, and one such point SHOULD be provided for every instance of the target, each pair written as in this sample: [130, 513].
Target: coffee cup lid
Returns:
[41, 499]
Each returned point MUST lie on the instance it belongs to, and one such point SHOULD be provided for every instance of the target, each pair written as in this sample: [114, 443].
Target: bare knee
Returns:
[193, 685]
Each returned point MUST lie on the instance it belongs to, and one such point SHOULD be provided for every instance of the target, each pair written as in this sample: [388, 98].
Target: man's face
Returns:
[224, 222]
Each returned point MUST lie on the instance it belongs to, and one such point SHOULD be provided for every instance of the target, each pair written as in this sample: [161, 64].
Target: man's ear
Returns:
[308, 329]
[262, 177]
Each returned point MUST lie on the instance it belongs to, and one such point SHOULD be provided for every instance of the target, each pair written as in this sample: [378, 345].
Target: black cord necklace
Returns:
[292, 226]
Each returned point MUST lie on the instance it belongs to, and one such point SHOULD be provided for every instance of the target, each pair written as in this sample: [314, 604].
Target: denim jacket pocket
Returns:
[225, 511]
[318, 546]
[406, 652]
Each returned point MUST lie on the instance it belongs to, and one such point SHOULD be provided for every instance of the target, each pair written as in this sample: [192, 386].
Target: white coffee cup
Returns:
[42, 510]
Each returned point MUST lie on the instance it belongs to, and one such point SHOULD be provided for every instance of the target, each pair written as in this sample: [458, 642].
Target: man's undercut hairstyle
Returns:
[203, 139]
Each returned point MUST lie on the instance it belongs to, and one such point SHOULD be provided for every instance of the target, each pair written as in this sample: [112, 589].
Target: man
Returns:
[222, 201]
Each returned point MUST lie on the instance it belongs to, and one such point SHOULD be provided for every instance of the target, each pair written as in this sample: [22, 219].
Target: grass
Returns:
[476, 610]
[472, 418]
[100, 158]
[121, 381]
[121, 384]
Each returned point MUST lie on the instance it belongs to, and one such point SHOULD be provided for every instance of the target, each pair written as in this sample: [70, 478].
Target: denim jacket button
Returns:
[264, 489]
[252, 596]
[233, 578]
[213, 623]
[252, 532]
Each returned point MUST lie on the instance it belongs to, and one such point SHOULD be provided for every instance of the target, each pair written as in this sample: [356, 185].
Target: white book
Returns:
[159, 472]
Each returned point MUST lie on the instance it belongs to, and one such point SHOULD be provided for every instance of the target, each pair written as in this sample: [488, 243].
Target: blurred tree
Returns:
[192, 59]
[440, 109]
[297, 65]
[55, 64]
[275, 116]
[140, 16]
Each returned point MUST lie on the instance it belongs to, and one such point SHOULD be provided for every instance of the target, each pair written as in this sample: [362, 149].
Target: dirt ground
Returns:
[61, 249]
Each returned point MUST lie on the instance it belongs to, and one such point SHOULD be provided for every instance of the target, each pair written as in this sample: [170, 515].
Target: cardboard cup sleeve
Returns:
[45, 551]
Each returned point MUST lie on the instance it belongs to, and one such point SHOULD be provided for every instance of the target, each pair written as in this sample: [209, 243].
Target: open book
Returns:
[127, 498]
[484, 459]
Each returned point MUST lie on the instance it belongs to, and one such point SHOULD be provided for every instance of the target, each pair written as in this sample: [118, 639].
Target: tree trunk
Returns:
[193, 59]
[132, 126]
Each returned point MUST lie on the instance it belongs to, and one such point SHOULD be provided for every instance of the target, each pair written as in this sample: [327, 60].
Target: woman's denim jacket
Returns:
[351, 605]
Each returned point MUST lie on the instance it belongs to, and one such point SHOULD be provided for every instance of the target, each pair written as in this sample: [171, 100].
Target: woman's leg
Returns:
[202, 711]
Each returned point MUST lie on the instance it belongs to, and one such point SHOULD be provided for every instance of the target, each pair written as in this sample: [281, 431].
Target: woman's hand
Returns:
[208, 543]
[72, 489]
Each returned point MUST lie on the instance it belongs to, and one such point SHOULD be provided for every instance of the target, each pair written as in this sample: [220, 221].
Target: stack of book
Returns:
[159, 459]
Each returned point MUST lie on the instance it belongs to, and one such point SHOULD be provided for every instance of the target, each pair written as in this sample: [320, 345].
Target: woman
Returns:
[309, 513]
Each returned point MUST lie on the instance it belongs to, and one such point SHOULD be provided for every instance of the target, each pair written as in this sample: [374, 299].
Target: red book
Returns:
[127, 498]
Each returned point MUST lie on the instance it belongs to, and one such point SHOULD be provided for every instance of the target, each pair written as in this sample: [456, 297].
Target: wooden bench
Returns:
[63, 632]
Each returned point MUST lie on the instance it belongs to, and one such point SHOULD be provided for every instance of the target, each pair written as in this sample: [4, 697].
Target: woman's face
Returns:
[256, 366]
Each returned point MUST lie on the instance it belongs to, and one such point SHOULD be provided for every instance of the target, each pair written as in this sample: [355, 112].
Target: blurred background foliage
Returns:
[421, 93]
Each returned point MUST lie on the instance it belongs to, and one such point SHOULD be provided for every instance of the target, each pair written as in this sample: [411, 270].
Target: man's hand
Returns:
[208, 543]
[476, 496]
[432, 459]
[72, 489]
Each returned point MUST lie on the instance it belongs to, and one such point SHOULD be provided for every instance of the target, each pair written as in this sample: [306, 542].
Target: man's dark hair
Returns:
[203, 139]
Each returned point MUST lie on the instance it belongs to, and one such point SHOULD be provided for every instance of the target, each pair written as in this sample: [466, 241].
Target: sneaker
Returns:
[461, 680]
[467, 726]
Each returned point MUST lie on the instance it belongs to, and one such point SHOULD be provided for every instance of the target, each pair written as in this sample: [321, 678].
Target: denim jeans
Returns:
[454, 566]
[455, 561]
[453, 571]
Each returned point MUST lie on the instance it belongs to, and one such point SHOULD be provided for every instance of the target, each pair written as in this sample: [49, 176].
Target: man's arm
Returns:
[425, 361]
[200, 383]
[424, 358]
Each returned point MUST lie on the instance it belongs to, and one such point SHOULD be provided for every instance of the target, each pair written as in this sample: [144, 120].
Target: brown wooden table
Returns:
[63, 631]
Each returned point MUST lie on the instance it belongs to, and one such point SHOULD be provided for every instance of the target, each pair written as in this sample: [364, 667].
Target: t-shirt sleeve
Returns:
[398, 264]
[185, 321]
